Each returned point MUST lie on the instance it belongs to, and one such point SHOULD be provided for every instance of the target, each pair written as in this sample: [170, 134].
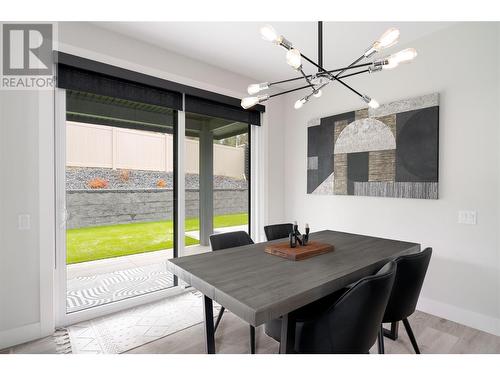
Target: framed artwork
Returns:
[390, 151]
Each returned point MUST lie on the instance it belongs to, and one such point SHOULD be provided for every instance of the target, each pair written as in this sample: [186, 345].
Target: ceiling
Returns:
[238, 47]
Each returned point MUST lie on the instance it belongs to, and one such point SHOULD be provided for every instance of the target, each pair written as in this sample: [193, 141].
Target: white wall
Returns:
[91, 41]
[274, 139]
[26, 182]
[19, 257]
[27, 171]
[462, 64]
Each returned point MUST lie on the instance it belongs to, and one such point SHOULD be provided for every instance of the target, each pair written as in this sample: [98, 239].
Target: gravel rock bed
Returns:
[78, 178]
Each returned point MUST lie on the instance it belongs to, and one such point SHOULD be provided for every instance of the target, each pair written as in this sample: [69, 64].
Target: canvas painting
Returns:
[391, 151]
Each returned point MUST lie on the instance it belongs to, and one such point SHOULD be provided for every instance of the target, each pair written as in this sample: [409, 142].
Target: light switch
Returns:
[24, 222]
[467, 217]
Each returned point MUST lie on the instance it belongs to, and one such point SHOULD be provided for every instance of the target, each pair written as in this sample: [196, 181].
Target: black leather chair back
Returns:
[277, 231]
[410, 275]
[352, 324]
[230, 239]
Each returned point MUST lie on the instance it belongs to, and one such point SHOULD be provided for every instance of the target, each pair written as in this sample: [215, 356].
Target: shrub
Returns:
[98, 183]
[124, 175]
[161, 183]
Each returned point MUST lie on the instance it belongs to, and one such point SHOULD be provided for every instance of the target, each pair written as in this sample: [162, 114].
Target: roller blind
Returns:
[76, 79]
[85, 75]
[104, 110]
[207, 107]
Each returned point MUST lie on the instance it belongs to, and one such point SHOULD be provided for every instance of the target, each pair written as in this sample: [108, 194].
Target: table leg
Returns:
[287, 341]
[393, 333]
[208, 311]
[252, 339]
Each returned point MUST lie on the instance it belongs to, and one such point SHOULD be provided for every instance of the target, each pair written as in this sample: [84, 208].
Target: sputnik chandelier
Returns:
[317, 81]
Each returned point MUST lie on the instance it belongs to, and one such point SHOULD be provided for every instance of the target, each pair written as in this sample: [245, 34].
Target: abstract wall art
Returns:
[391, 151]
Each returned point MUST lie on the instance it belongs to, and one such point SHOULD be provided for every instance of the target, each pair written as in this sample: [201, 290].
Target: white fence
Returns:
[89, 145]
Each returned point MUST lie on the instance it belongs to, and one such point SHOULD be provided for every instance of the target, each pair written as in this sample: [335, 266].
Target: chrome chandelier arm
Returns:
[304, 76]
[351, 64]
[291, 90]
[324, 77]
[332, 77]
[320, 87]
[354, 74]
[327, 71]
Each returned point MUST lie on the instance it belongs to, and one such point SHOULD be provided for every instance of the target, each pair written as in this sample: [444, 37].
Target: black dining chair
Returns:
[410, 275]
[277, 231]
[342, 323]
[225, 241]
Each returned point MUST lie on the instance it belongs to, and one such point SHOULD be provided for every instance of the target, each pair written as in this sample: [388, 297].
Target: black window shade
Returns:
[71, 78]
[207, 107]
[84, 75]
[104, 110]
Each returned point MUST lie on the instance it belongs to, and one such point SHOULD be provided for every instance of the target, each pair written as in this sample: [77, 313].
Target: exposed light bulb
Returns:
[317, 93]
[299, 103]
[293, 58]
[387, 39]
[372, 103]
[257, 87]
[403, 56]
[249, 102]
[390, 64]
[268, 33]
[252, 100]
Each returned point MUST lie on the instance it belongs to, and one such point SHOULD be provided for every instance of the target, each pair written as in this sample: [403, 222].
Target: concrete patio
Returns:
[98, 282]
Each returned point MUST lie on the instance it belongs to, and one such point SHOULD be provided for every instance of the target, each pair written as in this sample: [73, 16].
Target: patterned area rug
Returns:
[89, 291]
[120, 332]
[62, 341]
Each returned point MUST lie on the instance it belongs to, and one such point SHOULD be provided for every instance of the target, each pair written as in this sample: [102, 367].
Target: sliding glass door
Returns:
[120, 207]
[118, 187]
[217, 184]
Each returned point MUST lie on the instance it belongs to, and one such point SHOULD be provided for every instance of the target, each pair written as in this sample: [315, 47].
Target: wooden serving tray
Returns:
[312, 249]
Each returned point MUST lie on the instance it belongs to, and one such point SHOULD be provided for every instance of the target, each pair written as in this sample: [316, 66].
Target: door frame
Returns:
[256, 213]
[62, 317]
[258, 170]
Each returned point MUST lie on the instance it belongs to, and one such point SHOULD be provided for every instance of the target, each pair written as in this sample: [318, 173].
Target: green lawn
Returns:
[109, 241]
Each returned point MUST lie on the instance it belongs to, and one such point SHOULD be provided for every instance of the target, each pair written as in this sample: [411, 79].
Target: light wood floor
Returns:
[434, 335]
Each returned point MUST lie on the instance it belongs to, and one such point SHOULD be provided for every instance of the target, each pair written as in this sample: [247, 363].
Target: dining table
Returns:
[257, 286]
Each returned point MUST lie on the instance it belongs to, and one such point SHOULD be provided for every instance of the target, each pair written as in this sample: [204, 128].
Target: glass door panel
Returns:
[119, 199]
[216, 177]
[231, 168]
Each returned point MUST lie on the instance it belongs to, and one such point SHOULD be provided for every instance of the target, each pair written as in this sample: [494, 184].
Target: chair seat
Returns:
[345, 322]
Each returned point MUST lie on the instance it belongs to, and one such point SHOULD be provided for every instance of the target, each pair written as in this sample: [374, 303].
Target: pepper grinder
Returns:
[296, 233]
[305, 238]
[293, 242]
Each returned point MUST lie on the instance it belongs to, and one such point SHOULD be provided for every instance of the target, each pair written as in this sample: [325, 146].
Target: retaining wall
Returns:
[106, 207]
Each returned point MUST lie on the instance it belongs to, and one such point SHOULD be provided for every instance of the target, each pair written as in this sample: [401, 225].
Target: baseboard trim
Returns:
[468, 318]
[20, 335]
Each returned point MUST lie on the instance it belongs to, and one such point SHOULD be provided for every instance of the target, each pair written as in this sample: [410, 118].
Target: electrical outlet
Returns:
[24, 222]
[467, 217]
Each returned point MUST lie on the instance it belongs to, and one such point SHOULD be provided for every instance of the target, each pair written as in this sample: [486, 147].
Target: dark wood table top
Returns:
[257, 286]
